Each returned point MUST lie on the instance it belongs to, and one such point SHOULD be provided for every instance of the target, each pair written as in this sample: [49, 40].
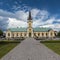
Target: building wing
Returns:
[41, 29]
[18, 29]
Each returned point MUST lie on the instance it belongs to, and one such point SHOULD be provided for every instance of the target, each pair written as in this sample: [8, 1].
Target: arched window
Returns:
[21, 34]
[17, 34]
[13, 35]
[29, 24]
[55, 34]
[25, 34]
[34, 34]
[8, 34]
[42, 34]
[51, 34]
[38, 34]
[29, 29]
[46, 34]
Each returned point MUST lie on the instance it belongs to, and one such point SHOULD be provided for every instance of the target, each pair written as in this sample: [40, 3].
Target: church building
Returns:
[30, 31]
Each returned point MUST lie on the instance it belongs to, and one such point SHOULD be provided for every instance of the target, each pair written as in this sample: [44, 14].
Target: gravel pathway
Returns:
[30, 49]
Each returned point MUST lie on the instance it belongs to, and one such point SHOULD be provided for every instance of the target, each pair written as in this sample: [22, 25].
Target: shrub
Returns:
[51, 41]
[6, 41]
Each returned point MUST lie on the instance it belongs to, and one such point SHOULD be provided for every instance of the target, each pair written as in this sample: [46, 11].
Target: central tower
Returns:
[30, 29]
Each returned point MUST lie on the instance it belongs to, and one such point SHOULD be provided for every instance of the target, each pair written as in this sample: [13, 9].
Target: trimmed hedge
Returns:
[6, 41]
[50, 41]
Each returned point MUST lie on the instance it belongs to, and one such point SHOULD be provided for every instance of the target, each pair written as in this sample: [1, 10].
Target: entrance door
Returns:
[29, 34]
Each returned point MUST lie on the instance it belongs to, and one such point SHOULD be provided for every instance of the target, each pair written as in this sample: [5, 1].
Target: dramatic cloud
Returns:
[41, 18]
[3, 23]
[22, 15]
[13, 23]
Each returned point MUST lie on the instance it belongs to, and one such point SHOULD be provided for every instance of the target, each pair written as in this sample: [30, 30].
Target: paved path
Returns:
[31, 49]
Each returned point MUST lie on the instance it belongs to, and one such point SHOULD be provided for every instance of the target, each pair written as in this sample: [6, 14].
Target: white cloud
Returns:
[22, 15]
[50, 21]
[19, 19]
[34, 12]
[58, 20]
[1, 17]
[16, 23]
[4, 13]
[42, 22]
[53, 26]
[39, 14]
[19, 6]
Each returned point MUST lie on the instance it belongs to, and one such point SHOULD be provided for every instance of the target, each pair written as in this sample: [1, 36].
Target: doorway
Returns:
[29, 34]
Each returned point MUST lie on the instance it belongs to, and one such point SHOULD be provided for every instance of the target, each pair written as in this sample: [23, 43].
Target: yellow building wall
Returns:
[51, 33]
[8, 32]
[45, 34]
[16, 34]
[26, 34]
[30, 29]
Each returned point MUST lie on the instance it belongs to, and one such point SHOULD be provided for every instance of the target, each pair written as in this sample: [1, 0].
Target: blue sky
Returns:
[45, 13]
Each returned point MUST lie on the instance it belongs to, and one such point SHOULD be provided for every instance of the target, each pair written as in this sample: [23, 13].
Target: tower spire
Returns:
[29, 17]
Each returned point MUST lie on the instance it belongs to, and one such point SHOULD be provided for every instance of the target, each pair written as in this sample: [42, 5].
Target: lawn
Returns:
[53, 45]
[6, 46]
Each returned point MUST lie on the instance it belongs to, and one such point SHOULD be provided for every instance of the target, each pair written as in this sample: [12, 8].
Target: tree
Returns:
[1, 32]
[58, 34]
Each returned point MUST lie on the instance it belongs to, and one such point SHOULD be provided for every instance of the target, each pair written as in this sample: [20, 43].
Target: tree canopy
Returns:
[1, 32]
[58, 34]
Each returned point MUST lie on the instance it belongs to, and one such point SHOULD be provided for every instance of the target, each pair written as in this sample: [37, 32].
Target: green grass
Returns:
[6, 46]
[53, 45]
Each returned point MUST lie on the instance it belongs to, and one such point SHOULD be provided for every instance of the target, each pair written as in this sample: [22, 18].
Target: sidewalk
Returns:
[30, 49]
